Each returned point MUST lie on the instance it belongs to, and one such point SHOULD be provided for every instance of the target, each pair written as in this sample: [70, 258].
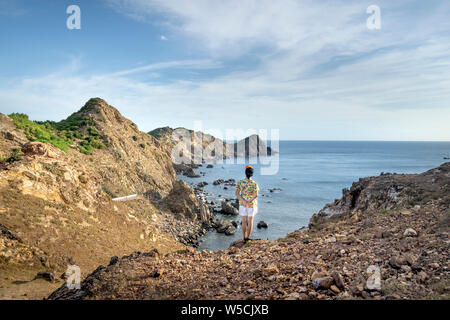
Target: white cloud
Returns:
[184, 64]
[320, 74]
[164, 38]
[334, 105]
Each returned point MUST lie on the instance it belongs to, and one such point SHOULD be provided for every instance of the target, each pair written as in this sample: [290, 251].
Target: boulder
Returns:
[205, 214]
[202, 184]
[230, 182]
[322, 283]
[228, 209]
[224, 226]
[230, 230]
[181, 201]
[262, 224]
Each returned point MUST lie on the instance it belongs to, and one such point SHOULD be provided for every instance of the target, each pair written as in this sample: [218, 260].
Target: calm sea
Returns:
[311, 174]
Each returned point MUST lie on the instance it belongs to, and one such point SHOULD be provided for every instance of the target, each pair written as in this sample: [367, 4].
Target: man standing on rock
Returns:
[247, 194]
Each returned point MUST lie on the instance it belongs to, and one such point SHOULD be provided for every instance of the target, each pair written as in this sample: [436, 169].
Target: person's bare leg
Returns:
[249, 226]
[244, 227]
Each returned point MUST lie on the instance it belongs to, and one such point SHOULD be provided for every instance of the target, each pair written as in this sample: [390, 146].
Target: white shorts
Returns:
[247, 212]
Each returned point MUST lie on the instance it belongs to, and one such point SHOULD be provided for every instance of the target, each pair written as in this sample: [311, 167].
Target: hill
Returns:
[57, 181]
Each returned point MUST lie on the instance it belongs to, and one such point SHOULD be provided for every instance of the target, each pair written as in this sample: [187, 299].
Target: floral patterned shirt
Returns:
[248, 189]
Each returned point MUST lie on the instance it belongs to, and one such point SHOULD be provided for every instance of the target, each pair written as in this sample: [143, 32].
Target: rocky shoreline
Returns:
[189, 220]
[373, 243]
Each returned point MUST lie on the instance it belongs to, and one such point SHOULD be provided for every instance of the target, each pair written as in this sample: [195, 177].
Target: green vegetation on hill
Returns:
[43, 132]
[77, 131]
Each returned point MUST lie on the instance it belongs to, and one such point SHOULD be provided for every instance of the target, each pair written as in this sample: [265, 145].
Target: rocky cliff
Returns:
[387, 238]
[132, 161]
[202, 147]
[390, 191]
[57, 180]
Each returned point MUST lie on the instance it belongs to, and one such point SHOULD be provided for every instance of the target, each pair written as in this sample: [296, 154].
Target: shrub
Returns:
[97, 144]
[93, 132]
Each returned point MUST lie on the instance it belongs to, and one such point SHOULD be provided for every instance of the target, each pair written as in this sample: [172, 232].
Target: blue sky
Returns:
[311, 69]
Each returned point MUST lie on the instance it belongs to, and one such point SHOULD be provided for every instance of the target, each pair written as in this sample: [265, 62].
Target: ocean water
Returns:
[311, 174]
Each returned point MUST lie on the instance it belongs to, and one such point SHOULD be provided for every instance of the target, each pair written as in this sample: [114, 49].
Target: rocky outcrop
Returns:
[252, 146]
[390, 191]
[37, 148]
[203, 147]
[186, 170]
[192, 216]
[181, 201]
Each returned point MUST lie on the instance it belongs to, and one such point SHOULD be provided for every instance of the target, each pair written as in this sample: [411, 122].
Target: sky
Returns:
[312, 69]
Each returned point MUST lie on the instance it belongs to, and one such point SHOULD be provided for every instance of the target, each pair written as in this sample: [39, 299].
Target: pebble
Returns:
[322, 283]
[410, 232]
[335, 289]
[271, 270]
[331, 240]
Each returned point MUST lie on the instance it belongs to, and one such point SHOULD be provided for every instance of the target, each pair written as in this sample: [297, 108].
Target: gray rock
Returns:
[229, 209]
[373, 282]
[262, 224]
[397, 262]
[230, 230]
[322, 283]
[225, 226]
[410, 232]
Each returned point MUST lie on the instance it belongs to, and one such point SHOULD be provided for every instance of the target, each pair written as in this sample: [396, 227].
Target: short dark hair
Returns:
[249, 172]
